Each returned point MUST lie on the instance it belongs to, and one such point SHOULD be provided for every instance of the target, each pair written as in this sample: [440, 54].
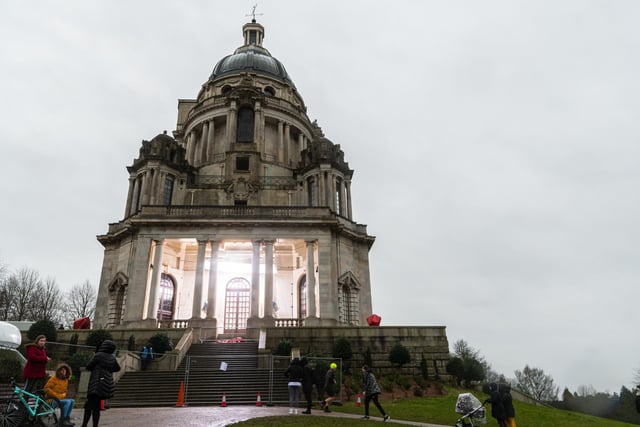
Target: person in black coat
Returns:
[307, 383]
[101, 385]
[294, 373]
[507, 402]
[497, 408]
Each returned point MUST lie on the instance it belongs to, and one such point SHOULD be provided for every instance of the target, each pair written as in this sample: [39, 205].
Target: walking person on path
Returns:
[371, 391]
[35, 369]
[102, 366]
[307, 383]
[329, 383]
[497, 407]
[507, 402]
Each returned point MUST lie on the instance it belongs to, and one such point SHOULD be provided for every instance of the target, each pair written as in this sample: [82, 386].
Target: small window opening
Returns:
[242, 164]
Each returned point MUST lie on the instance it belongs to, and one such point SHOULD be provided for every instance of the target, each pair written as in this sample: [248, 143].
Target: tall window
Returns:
[302, 294]
[338, 196]
[165, 308]
[245, 125]
[138, 196]
[348, 305]
[117, 299]
[168, 190]
[237, 304]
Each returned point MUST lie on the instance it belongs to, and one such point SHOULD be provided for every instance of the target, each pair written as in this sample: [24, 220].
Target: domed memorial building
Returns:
[242, 220]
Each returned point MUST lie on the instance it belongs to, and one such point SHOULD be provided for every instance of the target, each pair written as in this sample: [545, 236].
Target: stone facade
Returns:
[242, 222]
[242, 219]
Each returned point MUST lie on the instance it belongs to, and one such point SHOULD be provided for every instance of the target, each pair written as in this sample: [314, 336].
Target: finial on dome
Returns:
[253, 13]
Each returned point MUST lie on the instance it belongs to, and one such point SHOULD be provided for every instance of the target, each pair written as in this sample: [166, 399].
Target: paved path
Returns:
[206, 416]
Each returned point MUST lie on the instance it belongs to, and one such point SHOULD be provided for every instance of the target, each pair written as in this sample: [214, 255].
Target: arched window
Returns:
[348, 299]
[302, 295]
[167, 288]
[345, 305]
[168, 190]
[237, 304]
[245, 125]
[117, 299]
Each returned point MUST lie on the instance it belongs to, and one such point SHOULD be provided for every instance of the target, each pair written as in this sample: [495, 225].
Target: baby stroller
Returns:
[472, 410]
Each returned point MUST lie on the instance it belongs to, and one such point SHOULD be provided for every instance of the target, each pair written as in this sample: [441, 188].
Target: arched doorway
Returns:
[237, 305]
[167, 292]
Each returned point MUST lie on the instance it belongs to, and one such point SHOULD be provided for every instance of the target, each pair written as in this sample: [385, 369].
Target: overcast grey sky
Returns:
[495, 146]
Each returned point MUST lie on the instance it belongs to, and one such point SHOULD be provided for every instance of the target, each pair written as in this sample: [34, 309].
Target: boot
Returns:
[66, 422]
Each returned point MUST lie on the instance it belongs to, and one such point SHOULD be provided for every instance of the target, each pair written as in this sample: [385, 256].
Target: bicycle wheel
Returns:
[11, 414]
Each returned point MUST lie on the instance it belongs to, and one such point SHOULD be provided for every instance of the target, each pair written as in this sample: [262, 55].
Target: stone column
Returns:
[202, 150]
[311, 279]
[268, 278]
[128, 207]
[255, 280]
[197, 288]
[287, 143]
[280, 141]
[232, 124]
[138, 278]
[213, 280]
[191, 140]
[258, 126]
[154, 186]
[349, 212]
[154, 286]
[210, 142]
[299, 148]
[146, 183]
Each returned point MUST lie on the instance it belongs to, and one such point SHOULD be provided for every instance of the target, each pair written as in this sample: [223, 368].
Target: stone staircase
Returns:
[246, 375]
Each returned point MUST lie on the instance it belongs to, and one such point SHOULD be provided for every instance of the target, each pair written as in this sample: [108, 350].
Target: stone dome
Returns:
[252, 58]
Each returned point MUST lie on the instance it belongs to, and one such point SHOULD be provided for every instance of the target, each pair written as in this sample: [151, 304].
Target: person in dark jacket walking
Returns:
[294, 373]
[371, 391]
[101, 385]
[307, 383]
[507, 402]
[497, 408]
[329, 384]
[35, 369]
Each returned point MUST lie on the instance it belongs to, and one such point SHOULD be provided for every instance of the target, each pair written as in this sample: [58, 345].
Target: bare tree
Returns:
[7, 295]
[536, 383]
[586, 390]
[81, 301]
[23, 286]
[48, 302]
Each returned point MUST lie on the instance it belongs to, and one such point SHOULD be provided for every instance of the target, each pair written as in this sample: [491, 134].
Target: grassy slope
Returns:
[440, 410]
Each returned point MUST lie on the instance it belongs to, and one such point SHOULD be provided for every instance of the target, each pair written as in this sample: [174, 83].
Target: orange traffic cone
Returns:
[180, 401]
[224, 400]
[258, 401]
[358, 400]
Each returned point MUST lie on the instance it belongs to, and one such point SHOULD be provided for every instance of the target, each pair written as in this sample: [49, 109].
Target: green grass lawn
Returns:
[438, 410]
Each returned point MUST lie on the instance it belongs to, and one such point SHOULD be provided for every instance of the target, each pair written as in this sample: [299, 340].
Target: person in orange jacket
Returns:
[57, 387]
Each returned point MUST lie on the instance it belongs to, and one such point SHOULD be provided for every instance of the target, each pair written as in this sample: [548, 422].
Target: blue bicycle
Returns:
[24, 407]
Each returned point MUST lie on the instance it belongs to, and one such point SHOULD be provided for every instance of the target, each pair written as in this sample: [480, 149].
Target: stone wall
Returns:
[428, 341]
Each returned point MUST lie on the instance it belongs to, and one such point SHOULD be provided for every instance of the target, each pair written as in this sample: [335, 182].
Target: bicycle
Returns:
[24, 406]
